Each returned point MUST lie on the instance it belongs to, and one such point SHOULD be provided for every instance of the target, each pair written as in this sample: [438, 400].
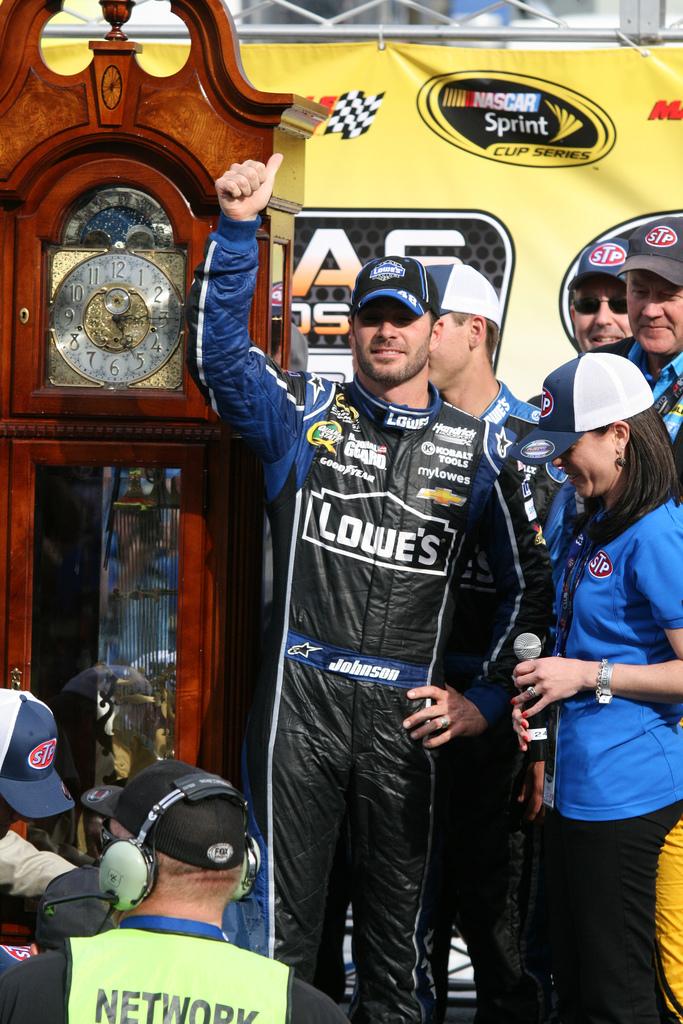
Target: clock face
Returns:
[116, 282]
[116, 318]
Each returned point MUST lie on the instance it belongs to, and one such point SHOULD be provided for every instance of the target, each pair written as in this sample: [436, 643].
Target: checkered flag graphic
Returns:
[353, 114]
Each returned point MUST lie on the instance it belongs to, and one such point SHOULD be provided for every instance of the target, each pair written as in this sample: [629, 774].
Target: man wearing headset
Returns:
[176, 852]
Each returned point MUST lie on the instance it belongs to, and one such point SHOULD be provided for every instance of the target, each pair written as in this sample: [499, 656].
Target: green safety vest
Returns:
[130, 976]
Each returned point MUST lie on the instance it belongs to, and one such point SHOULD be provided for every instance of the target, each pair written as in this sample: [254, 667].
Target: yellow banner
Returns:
[534, 154]
[511, 160]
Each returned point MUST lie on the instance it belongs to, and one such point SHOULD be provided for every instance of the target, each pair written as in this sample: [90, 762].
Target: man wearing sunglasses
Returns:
[597, 296]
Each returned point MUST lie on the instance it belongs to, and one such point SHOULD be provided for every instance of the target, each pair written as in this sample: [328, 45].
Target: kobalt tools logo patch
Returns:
[347, 525]
[448, 456]
[516, 119]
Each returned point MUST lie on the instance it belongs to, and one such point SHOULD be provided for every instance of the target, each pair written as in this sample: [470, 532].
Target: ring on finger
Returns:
[443, 722]
[531, 691]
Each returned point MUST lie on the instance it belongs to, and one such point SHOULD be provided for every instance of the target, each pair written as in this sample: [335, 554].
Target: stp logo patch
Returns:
[547, 403]
[607, 254]
[600, 565]
[43, 755]
[661, 237]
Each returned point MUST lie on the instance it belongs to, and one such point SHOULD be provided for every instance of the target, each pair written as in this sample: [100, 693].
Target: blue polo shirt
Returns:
[669, 375]
[623, 759]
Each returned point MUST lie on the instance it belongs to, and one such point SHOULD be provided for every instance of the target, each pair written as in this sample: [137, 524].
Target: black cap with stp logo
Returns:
[657, 246]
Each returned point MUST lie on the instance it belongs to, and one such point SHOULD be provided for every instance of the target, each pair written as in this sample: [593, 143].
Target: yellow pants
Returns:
[669, 921]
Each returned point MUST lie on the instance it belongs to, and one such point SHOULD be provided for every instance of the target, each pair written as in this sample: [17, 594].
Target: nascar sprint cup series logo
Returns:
[516, 119]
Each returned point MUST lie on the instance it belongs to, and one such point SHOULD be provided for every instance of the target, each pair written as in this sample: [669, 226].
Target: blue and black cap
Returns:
[396, 277]
[592, 391]
[605, 257]
[29, 782]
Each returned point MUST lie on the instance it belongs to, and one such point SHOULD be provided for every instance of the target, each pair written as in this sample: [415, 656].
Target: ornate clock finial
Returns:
[117, 13]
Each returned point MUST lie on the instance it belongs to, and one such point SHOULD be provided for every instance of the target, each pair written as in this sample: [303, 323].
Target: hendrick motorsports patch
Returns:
[516, 119]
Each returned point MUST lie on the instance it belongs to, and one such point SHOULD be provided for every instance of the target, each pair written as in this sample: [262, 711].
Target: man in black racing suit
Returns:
[374, 491]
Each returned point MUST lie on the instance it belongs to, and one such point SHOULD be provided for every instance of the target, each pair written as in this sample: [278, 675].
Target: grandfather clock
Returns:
[131, 539]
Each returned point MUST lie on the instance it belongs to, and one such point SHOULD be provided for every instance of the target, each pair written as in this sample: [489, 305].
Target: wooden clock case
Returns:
[61, 138]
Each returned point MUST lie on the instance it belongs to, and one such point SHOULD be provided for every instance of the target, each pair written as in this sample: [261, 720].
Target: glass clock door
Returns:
[107, 628]
[105, 612]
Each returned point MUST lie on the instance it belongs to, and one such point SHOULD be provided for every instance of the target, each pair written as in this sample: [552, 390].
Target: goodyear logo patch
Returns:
[516, 119]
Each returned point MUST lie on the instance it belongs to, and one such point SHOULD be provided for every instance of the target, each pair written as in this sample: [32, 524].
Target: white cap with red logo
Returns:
[591, 391]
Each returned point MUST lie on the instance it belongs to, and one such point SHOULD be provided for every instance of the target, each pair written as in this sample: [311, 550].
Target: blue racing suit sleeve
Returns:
[512, 540]
[244, 386]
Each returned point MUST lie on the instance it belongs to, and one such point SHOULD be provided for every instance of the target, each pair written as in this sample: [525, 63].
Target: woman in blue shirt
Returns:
[613, 689]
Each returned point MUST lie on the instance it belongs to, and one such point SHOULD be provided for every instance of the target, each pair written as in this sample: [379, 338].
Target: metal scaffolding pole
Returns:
[640, 22]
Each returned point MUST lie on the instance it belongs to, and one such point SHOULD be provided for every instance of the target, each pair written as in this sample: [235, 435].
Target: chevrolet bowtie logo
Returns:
[441, 496]
[303, 650]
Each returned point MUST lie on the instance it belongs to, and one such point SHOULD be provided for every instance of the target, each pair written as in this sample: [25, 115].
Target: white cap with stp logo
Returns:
[28, 740]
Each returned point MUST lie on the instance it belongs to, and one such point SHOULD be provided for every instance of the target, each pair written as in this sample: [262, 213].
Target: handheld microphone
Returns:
[528, 646]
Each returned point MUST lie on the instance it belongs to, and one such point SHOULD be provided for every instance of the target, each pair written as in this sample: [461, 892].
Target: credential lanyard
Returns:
[577, 559]
[667, 405]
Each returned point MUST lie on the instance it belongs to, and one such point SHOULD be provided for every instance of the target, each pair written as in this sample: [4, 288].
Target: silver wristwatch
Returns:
[603, 686]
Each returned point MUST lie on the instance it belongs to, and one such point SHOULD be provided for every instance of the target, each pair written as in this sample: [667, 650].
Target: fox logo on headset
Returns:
[179, 810]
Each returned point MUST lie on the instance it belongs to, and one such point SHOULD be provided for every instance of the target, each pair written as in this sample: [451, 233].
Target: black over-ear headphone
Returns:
[128, 866]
